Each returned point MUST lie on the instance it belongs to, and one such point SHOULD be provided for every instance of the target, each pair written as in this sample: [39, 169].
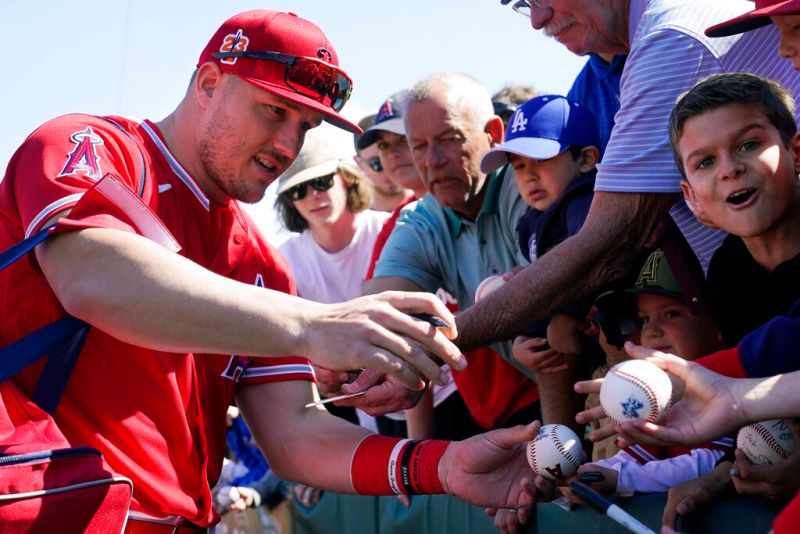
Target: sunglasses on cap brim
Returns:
[310, 77]
[298, 192]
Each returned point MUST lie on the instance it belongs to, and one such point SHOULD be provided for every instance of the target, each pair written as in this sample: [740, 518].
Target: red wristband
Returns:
[384, 466]
[424, 466]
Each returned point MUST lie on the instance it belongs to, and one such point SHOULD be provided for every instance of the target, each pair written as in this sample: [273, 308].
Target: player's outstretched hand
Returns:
[705, 405]
[378, 332]
[491, 470]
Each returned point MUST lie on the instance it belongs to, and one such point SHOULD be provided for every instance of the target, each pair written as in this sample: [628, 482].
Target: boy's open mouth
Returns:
[740, 197]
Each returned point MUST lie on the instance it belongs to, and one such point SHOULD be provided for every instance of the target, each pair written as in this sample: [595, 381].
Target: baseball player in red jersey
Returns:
[153, 250]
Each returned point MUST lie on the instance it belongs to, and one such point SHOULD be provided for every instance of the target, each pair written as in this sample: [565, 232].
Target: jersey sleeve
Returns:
[276, 276]
[64, 158]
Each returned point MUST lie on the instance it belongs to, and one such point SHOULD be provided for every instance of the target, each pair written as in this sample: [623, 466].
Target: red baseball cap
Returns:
[286, 55]
[755, 19]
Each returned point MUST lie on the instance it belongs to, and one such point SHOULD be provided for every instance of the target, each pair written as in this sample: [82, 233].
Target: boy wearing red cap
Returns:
[162, 363]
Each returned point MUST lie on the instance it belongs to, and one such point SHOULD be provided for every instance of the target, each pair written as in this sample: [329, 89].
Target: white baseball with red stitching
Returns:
[767, 442]
[635, 390]
[488, 285]
[556, 452]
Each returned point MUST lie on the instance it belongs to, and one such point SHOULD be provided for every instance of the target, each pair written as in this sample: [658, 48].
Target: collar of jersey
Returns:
[176, 167]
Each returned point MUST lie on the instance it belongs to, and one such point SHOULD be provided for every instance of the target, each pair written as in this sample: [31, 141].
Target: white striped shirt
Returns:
[669, 53]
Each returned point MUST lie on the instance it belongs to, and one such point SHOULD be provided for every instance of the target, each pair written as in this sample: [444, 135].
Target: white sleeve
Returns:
[659, 475]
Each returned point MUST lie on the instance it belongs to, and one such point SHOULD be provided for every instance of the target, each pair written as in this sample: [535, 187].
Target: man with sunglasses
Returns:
[191, 309]
[387, 194]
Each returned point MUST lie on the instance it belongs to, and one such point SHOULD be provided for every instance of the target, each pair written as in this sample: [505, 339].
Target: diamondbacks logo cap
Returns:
[756, 18]
[286, 55]
[388, 119]
[542, 128]
[616, 310]
[656, 277]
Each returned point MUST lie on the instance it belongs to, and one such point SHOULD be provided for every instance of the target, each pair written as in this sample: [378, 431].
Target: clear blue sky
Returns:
[134, 57]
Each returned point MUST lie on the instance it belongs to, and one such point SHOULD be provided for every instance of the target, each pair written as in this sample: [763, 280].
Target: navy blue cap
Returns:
[388, 119]
[542, 128]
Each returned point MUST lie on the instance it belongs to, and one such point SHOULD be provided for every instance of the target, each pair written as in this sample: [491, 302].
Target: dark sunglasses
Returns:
[307, 76]
[375, 164]
[298, 192]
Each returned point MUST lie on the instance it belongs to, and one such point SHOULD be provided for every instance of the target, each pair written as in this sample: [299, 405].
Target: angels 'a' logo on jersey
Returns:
[83, 159]
[233, 42]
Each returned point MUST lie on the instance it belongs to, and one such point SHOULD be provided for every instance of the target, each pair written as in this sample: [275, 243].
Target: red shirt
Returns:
[789, 518]
[157, 417]
[492, 389]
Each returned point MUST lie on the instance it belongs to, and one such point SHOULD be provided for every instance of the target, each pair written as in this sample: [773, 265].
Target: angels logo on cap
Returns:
[386, 112]
[388, 119]
[285, 55]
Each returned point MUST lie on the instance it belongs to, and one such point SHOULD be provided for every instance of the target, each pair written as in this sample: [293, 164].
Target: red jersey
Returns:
[492, 389]
[157, 417]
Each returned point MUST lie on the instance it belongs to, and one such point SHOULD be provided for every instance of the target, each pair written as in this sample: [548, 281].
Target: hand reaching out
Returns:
[689, 496]
[708, 409]
[535, 354]
[780, 481]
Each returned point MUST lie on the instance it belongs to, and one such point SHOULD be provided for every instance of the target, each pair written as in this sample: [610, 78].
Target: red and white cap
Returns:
[265, 30]
[756, 18]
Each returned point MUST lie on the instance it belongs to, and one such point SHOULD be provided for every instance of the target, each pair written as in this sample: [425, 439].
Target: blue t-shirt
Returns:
[597, 88]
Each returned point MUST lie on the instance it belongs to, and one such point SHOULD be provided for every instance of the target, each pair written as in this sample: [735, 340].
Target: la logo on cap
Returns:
[233, 42]
[519, 123]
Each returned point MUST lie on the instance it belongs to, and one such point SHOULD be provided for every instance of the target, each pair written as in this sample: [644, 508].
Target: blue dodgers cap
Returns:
[542, 128]
[388, 119]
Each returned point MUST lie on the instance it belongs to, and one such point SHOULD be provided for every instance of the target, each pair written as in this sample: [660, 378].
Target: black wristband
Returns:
[405, 467]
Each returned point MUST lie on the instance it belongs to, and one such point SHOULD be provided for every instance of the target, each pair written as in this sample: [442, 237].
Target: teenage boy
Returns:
[735, 140]
[552, 146]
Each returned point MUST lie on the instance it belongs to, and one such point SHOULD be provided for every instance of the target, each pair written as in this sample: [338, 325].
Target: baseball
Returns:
[556, 452]
[635, 390]
[767, 442]
[488, 285]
